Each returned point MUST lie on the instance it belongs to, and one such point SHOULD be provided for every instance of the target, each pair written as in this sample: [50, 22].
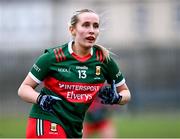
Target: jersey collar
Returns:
[71, 51]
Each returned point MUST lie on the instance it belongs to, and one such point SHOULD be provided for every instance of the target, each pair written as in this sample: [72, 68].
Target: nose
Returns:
[91, 29]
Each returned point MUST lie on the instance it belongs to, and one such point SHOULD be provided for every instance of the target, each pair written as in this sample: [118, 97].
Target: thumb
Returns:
[56, 98]
[113, 86]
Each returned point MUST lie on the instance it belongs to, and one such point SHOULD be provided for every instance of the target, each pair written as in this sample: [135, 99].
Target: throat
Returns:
[81, 51]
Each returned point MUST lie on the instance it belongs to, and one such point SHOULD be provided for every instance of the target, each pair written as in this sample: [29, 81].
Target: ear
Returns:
[72, 31]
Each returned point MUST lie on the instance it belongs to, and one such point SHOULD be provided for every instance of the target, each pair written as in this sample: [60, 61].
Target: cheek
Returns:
[81, 32]
[97, 33]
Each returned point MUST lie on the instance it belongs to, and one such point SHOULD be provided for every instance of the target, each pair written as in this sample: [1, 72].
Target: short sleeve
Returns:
[113, 72]
[40, 68]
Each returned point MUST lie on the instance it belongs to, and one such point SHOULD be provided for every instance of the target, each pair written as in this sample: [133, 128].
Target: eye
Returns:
[96, 25]
[86, 24]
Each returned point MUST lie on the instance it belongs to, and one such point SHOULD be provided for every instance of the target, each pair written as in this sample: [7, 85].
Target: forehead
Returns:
[88, 17]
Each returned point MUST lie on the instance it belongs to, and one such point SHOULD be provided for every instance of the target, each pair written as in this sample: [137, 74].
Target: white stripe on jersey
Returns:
[34, 78]
[120, 83]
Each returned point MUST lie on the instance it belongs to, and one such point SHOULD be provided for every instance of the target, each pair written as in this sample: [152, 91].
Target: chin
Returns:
[90, 44]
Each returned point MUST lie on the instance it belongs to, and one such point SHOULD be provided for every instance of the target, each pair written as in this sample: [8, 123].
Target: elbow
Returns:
[126, 97]
[129, 96]
[20, 91]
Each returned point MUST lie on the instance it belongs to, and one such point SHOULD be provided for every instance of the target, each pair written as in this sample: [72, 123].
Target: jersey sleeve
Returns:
[113, 72]
[40, 68]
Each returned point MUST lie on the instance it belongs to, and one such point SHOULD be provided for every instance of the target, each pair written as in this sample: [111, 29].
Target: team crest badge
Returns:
[98, 70]
[53, 127]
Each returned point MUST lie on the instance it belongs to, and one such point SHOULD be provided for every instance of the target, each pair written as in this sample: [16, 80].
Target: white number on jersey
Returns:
[82, 74]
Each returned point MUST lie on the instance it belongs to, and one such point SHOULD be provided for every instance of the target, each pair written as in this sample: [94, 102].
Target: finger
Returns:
[52, 111]
[56, 98]
[113, 86]
[104, 91]
[101, 94]
[103, 97]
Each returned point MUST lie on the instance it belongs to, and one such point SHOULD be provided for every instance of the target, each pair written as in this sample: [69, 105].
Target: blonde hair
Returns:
[74, 20]
[105, 52]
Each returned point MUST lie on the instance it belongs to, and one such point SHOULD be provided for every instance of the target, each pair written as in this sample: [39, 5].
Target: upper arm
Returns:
[27, 90]
[30, 82]
[122, 87]
[113, 73]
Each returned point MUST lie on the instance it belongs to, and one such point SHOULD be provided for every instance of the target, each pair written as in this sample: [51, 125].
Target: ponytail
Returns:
[105, 51]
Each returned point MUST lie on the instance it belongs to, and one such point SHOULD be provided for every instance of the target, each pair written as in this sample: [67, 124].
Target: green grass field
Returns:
[149, 126]
[141, 126]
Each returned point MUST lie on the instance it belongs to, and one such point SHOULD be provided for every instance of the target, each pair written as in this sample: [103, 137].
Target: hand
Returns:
[46, 102]
[109, 95]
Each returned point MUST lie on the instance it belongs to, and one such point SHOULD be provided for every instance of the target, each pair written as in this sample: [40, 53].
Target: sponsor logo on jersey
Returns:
[63, 70]
[72, 95]
[97, 78]
[81, 67]
[78, 87]
[73, 91]
[36, 68]
[98, 70]
[118, 74]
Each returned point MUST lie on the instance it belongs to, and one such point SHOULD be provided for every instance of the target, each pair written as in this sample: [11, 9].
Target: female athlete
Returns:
[72, 75]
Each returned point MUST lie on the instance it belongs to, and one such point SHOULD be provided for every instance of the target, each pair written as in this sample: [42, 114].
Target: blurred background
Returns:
[143, 34]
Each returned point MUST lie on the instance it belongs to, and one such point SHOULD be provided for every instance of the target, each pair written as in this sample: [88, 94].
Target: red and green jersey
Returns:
[75, 80]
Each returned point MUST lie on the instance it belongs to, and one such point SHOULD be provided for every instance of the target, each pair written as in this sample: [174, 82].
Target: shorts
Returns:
[38, 128]
[91, 128]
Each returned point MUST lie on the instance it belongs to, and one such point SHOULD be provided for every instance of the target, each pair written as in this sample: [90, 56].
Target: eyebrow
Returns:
[89, 22]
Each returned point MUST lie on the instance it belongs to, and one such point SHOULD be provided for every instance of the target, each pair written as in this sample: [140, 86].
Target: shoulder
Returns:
[56, 48]
[111, 61]
[57, 53]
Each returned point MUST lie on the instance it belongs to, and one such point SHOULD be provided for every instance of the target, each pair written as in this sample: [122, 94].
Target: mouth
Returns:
[91, 38]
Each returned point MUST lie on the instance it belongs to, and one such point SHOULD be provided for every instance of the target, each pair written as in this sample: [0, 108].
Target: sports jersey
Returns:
[76, 80]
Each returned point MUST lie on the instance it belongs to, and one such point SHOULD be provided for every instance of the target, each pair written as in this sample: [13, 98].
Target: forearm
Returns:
[126, 96]
[28, 94]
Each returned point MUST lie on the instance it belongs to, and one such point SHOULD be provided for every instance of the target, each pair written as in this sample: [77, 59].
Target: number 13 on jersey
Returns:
[82, 74]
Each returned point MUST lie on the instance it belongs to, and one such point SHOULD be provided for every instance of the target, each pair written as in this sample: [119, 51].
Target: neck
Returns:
[80, 50]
